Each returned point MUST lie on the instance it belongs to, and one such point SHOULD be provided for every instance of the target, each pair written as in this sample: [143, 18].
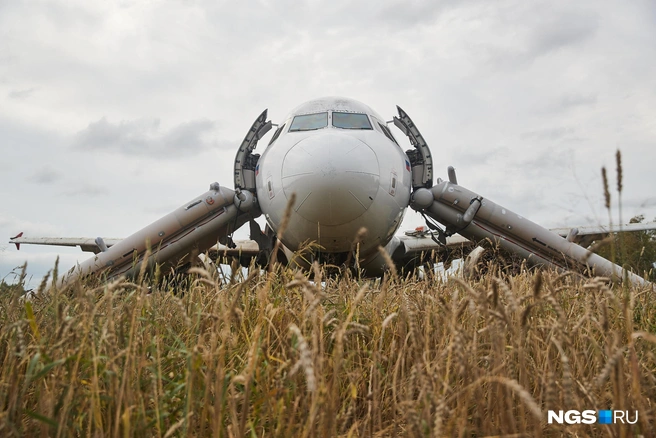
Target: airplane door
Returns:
[420, 159]
[246, 161]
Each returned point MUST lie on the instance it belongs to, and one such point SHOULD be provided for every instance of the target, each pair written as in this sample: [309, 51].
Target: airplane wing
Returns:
[420, 241]
[243, 248]
[584, 236]
[417, 246]
[85, 243]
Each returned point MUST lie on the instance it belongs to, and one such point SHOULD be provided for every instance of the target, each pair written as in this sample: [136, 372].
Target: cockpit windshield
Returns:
[309, 122]
[351, 121]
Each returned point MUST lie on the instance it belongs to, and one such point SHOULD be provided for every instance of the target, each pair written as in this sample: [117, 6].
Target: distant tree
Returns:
[635, 250]
[7, 288]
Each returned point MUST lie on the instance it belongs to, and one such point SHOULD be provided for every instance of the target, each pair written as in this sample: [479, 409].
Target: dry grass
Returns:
[276, 355]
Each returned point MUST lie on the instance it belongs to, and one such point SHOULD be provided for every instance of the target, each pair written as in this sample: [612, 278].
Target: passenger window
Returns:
[309, 122]
[351, 121]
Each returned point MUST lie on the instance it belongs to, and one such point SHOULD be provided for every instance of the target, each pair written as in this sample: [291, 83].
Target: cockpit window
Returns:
[276, 135]
[351, 121]
[387, 132]
[309, 122]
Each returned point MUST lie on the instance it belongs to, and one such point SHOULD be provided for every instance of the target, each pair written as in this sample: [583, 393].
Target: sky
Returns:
[114, 113]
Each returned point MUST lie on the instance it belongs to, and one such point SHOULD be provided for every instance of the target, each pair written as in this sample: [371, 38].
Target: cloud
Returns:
[21, 94]
[640, 203]
[482, 158]
[568, 102]
[545, 162]
[15, 225]
[403, 13]
[531, 33]
[38, 264]
[87, 190]
[145, 137]
[45, 175]
[561, 31]
[551, 134]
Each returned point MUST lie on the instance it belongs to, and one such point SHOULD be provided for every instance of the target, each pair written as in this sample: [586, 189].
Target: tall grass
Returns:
[275, 354]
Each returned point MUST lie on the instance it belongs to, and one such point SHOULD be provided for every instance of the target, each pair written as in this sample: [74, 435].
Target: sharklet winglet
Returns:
[16, 243]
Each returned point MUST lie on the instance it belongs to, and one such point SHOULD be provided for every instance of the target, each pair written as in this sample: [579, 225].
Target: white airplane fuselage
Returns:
[347, 172]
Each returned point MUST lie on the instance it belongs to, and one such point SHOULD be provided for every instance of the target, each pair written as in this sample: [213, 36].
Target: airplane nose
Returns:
[335, 178]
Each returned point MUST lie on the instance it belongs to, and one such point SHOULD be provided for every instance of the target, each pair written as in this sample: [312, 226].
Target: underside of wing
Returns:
[418, 246]
[244, 250]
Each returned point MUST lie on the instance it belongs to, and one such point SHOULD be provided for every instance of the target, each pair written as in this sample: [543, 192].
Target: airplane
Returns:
[331, 169]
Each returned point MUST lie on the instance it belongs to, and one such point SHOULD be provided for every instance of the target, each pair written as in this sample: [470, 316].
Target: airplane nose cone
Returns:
[335, 178]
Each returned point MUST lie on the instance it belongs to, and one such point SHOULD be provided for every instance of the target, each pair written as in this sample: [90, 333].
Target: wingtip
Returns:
[16, 243]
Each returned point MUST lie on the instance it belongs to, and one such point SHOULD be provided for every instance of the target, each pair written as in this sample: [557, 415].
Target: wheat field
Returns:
[287, 353]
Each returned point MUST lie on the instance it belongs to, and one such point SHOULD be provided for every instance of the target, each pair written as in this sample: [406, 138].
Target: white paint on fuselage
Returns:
[342, 179]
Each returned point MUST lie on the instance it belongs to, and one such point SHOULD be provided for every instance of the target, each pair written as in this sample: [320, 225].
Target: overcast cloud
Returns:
[145, 137]
[113, 113]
